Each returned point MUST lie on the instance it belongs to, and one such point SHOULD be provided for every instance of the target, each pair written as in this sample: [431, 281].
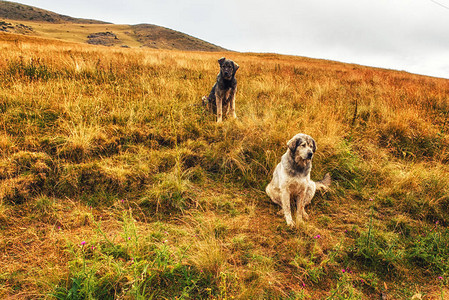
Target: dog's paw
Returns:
[290, 223]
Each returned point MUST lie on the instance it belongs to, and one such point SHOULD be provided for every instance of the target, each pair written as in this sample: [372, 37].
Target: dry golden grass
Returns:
[111, 147]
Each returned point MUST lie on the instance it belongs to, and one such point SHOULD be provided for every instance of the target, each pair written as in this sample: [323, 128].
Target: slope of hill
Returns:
[116, 183]
[18, 17]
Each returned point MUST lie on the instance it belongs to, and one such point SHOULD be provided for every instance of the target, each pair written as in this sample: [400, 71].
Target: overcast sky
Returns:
[410, 35]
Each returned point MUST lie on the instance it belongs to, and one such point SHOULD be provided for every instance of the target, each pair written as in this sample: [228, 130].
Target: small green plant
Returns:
[377, 250]
[442, 283]
[344, 289]
[431, 251]
[314, 268]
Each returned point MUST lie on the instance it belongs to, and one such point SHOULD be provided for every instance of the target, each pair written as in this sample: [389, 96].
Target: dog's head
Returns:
[302, 147]
[227, 68]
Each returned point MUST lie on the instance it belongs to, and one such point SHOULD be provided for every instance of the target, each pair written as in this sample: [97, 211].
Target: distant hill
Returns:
[29, 20]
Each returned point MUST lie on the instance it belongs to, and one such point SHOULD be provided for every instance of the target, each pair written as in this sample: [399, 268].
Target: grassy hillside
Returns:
[115, 182]
[23, 19]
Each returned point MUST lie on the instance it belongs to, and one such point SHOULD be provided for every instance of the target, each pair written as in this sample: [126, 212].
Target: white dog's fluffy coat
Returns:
[291, 178]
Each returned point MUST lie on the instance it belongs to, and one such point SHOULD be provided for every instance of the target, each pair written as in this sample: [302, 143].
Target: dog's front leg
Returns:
[219, 103]
[232, 102]
[300, 209]
[285, 198]
[304, 199]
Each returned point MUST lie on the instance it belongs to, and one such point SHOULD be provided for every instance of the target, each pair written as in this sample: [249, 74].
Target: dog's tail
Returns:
[324, 184]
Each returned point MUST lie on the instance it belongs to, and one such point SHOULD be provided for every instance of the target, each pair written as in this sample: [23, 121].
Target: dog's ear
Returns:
[293, 143]
[221, 60]
[313, 146]
[236, 67]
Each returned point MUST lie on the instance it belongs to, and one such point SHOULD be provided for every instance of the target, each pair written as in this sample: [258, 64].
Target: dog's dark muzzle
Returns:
[227, 75]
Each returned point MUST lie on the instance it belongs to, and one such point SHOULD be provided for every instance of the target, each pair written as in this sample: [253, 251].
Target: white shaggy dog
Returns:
[291, 178]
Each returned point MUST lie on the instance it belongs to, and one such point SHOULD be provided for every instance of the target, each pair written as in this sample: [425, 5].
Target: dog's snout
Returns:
[309, 154]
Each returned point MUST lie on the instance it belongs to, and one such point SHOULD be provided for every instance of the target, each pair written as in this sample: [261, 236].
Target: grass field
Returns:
[116, 184]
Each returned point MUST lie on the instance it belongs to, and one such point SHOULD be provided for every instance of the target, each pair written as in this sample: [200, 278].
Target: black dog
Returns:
[222, 95]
